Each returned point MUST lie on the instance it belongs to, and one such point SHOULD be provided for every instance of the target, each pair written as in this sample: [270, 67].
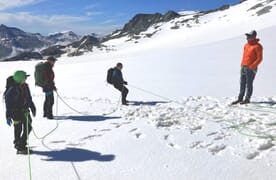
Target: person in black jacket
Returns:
[49, 87]
[18, 101]
[119, 82]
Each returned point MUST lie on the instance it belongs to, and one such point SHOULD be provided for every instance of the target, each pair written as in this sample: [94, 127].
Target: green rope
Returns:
[28, 145]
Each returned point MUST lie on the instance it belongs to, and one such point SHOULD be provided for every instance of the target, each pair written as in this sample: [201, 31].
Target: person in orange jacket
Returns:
[252, 57]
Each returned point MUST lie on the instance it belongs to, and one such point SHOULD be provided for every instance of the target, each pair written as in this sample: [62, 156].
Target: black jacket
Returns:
[18, 98]
[117, 77]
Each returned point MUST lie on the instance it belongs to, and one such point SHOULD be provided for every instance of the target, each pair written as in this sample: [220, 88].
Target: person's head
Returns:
[251, 36]
[51, 60]
[20, 76]
[119, 66]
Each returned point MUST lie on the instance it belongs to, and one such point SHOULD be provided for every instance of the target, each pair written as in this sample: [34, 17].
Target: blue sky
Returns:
[89, 16]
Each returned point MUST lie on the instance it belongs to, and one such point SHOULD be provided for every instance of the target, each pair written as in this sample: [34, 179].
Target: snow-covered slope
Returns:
[196, 28]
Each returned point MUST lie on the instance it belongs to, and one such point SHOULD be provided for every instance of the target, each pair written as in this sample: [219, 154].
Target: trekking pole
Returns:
[28, 144]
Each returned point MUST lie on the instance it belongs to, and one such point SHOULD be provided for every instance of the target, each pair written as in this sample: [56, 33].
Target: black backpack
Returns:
[109, 78]
[38, 74]
[9, 83]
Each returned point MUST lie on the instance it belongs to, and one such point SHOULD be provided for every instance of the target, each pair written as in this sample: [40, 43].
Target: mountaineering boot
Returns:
[50, 116]
[22, 151]
[246, 101]
[236, 102]
[125, 102]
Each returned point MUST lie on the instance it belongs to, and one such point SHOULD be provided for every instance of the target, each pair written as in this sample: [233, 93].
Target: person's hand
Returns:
[125, 83]
[9, 121]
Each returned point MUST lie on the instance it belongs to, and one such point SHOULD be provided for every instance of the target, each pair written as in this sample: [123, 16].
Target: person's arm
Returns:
[259, 57]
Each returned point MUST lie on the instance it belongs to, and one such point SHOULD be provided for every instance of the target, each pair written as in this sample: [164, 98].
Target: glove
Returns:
[9, 121]
[125, 83]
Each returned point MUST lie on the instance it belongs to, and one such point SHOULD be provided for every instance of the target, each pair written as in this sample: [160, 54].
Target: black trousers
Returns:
[20, 121]
[123, 90]
[48, 104]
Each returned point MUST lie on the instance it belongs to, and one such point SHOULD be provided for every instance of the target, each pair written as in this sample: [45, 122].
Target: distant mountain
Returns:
[15, 43]
[140, 23]
[63, 38]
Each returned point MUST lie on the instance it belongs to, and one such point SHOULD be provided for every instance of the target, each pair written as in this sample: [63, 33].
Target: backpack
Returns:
[38, 74]
[109, 78]
[10, 82]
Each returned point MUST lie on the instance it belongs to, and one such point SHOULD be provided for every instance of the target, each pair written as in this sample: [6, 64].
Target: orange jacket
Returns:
[252, 54]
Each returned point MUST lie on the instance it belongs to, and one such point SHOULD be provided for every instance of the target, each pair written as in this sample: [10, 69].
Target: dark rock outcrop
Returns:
[140, 23]
[56, 51]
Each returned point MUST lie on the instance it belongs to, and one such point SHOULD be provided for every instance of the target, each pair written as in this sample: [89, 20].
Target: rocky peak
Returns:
[142, 22]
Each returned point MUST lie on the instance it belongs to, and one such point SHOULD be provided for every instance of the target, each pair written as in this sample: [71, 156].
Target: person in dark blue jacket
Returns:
[18, 101]
[119, 82]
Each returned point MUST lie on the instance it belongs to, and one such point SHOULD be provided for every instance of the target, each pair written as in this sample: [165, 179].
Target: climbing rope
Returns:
[28, 145]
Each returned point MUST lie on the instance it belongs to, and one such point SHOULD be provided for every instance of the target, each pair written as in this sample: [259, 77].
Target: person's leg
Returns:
[242, 87]
[25, 134]
[48, 105]
[250, 75]
[123, 92]
[242, 84]
[17, 134]
[124, 95]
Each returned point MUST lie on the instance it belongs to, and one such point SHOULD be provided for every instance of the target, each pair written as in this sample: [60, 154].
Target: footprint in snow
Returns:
[91, 137]
[265, 146]
[168, 137]
[140, 135]
[76, 144]
[252, 155]
[195, 128]
[216, 149]
[173, 145]
[212, 133]
[132, 130]
[57, 142]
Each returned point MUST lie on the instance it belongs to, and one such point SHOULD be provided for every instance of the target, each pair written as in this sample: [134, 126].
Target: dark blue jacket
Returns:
[18, 99]
[117, 77]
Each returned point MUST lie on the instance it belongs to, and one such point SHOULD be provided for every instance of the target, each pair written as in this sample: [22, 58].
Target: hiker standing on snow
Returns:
[119, 82]
[49, 87]
[252, 57]
[18, 100]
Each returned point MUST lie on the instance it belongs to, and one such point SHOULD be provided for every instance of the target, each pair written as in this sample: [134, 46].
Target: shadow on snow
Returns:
[86, 118]
[74, 155]
[271, 103]
[149, 103]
